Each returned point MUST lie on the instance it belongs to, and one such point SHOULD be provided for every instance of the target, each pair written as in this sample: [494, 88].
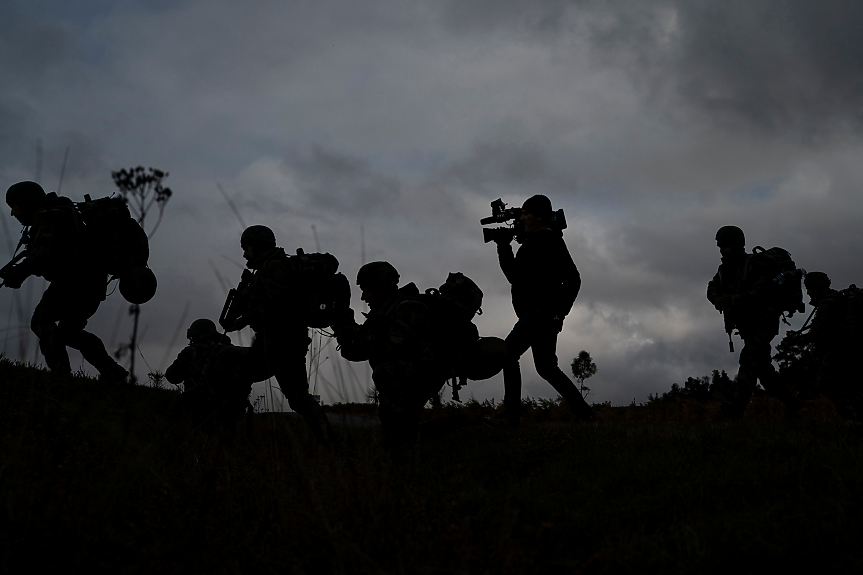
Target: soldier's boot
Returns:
[54, 351]
[735, 408]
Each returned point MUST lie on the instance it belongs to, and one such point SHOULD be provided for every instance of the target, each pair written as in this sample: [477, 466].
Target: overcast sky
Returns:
[651, 124]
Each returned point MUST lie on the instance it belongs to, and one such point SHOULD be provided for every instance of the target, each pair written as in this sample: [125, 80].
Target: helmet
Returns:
[201, 327]
[486, 358]
[25, 193]
[816, 280]
[730, 236]
[538, 205]
[258, 236]
[138, 285]
[378, 274]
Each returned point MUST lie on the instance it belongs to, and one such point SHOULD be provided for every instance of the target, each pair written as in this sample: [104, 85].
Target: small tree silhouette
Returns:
[583, 368]
[140, 188]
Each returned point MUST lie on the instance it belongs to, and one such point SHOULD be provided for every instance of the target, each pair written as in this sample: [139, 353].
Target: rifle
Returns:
[4, 271]
[232, 310]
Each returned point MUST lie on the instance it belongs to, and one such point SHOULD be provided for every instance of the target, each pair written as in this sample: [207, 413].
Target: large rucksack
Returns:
[786, 277]
[112, 235]
[853, 297]
[452, 308]
[322, 290]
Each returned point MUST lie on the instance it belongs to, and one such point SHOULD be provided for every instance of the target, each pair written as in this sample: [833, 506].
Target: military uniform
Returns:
[743, 289]
[406, 366]
[55, 252]
[192, 364]
[829, 335]
[281, 343]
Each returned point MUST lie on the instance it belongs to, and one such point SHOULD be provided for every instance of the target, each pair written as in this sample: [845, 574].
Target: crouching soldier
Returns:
[206, 368]
[55, 250]
[395, 340]
[281, 340]
[834, 349]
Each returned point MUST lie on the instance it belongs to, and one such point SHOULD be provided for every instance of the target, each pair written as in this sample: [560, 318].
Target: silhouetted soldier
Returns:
[193, 362]
[743, 290]
[55, 251]
[396, 341]
[545, 283]
[834, 351]
[207, 369]
[281, 342]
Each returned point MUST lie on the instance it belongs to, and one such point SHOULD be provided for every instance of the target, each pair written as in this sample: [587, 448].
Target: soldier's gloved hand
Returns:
[15, 277]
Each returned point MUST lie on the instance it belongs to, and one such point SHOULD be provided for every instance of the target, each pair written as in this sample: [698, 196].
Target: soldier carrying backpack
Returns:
[56, 249]
[753, 291]
[280, 298]
[414, 342]
[832, 335]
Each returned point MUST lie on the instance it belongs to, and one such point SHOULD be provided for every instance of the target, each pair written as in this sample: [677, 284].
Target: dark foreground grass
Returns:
[100, 477]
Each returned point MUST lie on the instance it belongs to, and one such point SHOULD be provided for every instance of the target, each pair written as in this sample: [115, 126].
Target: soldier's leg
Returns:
[288, 359]
[44, 325]
[756, 350]
[81, 302]
[545, 359]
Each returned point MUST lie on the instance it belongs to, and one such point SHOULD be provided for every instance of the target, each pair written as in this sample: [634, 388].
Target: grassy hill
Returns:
[101, 477]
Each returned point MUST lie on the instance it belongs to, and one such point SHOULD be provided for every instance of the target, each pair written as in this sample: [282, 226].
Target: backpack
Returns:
[321, 289]
[452, 308]
[112, 235]
[853, 297]
[787, 278]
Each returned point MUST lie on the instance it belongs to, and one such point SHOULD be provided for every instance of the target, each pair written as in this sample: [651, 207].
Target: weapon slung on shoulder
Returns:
[231, 310]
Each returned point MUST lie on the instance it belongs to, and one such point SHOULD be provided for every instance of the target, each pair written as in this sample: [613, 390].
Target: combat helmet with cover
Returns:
[25, 193]
[378, 275]
[730, 236]
[201, 328]
[257, 235]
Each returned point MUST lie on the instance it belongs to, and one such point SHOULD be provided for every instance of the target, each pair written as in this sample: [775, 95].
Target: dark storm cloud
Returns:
[774, 65]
